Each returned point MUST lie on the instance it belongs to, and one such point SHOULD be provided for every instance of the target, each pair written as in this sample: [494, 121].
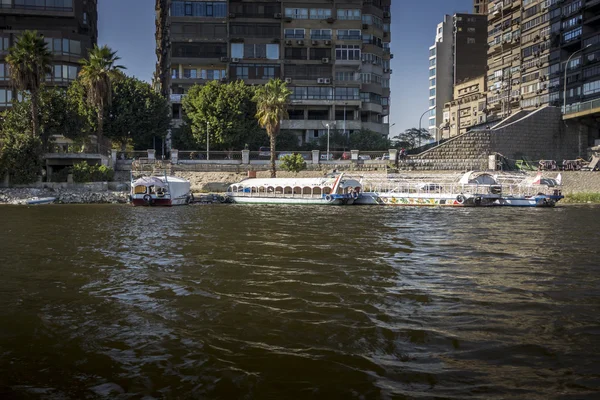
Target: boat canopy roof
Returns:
[297, 182]
[158, 181]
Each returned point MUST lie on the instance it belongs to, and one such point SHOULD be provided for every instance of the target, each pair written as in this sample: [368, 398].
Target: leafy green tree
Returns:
[20, 156]
[58, 115]
[29, 61]
[293, 162]
[226, 110]
[414, 137]
[287, 141]
[136, 115]
[271, 104]
[98, 72]
[368, 140]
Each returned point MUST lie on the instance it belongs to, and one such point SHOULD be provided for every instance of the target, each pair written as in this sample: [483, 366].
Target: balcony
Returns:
[45, 7]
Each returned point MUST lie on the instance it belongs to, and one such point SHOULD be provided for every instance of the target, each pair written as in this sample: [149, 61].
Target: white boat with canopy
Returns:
[469, 189]
[330, 190]
[160, 191]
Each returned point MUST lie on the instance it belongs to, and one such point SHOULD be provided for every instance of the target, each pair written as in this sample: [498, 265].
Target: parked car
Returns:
[346, 155]
[364, 157]
[384, 157]
[325, 157]
[304, 155]
[264, 152]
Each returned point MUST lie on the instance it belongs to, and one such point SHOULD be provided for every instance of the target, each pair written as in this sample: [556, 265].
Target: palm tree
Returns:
[29, 61]
[97, 74]
[271, 107]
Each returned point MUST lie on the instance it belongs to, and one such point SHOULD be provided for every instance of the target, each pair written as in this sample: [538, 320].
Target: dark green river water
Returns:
[271, 302]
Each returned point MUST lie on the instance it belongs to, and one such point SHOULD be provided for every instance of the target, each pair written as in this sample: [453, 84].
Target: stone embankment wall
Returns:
[538, 135]
[63, 196]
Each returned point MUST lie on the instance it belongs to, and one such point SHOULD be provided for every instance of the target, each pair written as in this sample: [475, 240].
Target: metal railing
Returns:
[579, 107]
[212, 155]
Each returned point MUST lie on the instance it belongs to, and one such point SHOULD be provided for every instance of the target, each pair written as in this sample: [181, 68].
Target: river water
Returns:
[270, 302]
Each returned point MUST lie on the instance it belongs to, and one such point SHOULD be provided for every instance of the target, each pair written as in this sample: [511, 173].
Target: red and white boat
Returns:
[160, 191]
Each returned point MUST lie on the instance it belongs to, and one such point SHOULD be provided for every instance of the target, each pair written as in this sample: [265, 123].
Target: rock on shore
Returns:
[63, 196]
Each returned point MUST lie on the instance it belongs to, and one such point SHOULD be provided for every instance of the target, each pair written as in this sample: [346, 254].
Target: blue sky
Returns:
[128, 27]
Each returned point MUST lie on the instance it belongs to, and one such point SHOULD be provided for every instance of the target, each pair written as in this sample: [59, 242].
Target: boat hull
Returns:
[44, 200]
[534, 201]
[424, 200]
[139, 201]
[288, 200]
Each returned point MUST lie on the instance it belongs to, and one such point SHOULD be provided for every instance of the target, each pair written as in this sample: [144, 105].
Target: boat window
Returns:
[326, 190]
[278, 190]
[288, 190]
[140, 189]
[306, 190]
[262, 189]
[297, 190]
[317, 191]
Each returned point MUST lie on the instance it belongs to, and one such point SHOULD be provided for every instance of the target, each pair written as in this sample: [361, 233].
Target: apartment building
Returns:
[458, 55]
[69, 28]
[575, 43]
[480, 7]
[335, 56]
[466, 108]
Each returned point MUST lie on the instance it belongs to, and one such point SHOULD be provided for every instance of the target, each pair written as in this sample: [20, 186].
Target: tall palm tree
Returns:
[97, 74]
[29, 61]
[271, 107]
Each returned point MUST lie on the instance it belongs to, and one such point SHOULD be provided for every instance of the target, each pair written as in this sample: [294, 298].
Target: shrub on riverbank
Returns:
[20, 156]
[83, 172]
[293, 163]
[575, 198]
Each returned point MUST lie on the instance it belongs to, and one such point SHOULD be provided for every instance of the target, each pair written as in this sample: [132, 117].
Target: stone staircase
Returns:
[468, 151]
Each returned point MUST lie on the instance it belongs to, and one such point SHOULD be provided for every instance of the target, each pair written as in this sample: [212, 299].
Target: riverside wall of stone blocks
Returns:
[537, 135]
[541, 135]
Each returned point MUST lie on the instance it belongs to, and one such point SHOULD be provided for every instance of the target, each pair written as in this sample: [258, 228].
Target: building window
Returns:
[296, 13]
[85, 18]
[322, 34]
[347, 93]
[320, 13]
[294, 33]
[432, 92]
[269, 51]
[349, 34]
[349, 14]
[64, 73]
[591, 88]
[5, 98]
[345, 76]
[210, 9]
[571, 35]
[347, 52]
[63, 46]
[432, 82]
[470, 40]
[237, 50]
[241, 72]
[4, 75]
[432, 62]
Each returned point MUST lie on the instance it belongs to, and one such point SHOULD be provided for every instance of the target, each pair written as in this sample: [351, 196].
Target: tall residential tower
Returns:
[334, 55]
[458, 55]
[69, 28]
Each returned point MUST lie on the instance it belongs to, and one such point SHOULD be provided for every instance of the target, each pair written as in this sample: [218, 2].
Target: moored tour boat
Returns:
[472, 189]
[160, 191]
[467, 190]
[331, 190]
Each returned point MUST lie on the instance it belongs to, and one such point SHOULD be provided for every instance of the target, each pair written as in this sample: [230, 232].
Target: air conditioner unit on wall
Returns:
[288, 80]
[321, 80]
[235, 60]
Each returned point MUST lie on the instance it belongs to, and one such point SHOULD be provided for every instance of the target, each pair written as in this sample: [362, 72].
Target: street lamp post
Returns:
[327, 156]
[207, 143]
[421, 119]
[565, 78]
